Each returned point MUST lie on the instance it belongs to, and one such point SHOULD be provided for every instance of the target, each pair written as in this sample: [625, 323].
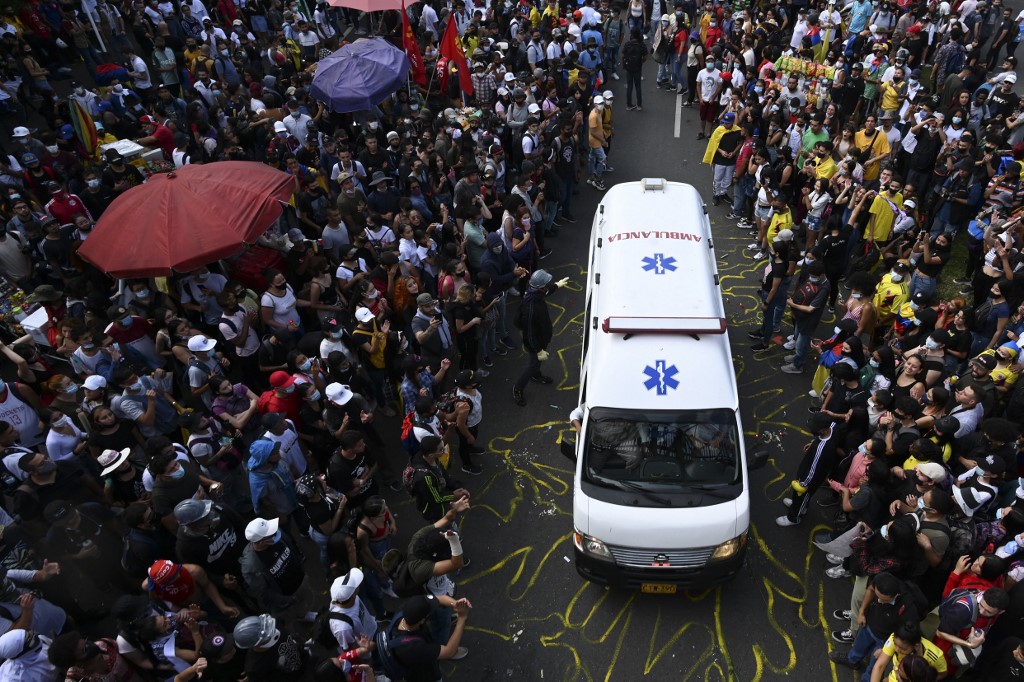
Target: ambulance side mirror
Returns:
[757, 459]
[568, 449]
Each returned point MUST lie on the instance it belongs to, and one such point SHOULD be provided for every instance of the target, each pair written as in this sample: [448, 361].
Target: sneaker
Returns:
[837, 561]
[630, 107]
[962, 281]
[967, 291]
[844, 660]
[760, 348]
[791, 337]
[717, 200]
[829, 501]
[787, 502]
[785, 522]
[760, 255]
[754, 246]
[791, 369]
[547, 252]
[500, 352]
[396, 486]
[789, 358]
[615, 76]
[837, 572]
[487, 361]
[473, 469]
[568, 218]
[701, 135]
[790, 343]
[508, 343]
[754, 335]
[842, 614]
[813, 393]
[518, 397]
[731, 216]
[609, 169]
[598, 185]
[832, 309]
[744, 224]
[460, 654]
[482, 373]
[541, 379]
[844, 636]
[813, 410]
[680, 89]
[639, 108]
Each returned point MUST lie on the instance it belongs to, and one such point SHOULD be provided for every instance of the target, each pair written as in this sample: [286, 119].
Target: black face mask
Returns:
[91, 651]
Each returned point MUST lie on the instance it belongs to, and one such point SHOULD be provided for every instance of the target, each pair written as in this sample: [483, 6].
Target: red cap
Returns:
[281, 379]
[161, 571]
[147, 119]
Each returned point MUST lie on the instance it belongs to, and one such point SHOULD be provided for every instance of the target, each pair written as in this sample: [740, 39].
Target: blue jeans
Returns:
[924, 284]
[596, 162]
[773, 315]
[803, 342]
[864, 646]
[744, 190]
[678, 69]
[550, 210]
[568, 186]
[664, 72]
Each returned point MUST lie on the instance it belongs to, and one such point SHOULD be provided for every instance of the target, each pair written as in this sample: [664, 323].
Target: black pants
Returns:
[802, 500]
[634, 80]
[464, 454]
[532, 370]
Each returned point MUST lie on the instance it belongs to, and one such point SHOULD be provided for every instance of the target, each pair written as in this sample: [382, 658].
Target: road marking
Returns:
[679, 113]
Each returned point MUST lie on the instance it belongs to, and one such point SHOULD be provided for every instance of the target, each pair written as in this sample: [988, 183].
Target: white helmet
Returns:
[943, 9]
[256, 631]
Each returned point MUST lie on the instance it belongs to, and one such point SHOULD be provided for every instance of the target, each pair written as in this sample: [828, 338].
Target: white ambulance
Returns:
[661, 497]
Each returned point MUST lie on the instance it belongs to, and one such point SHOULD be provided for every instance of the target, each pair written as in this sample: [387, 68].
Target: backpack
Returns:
[633, 55]
[386, 640]
[322, 627]
[412, 475]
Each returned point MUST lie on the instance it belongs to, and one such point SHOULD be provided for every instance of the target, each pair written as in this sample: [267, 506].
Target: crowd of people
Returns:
[189, 461]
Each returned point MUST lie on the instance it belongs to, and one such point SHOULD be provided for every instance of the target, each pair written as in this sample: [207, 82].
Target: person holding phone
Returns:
[433, 333]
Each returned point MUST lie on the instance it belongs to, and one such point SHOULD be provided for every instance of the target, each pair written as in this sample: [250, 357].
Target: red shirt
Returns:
[270, 401]
[64, 207]
[165, 138]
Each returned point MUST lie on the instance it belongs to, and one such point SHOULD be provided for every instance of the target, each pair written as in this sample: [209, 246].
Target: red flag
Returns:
[412, 50]
[451, 49]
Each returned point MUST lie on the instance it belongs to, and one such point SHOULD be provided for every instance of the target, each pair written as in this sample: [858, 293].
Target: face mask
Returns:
[956, 119]
[711, 66]
[277, 539]
[296, 114]
[94, 183]
[315, 395]
[288, 391]
[306, 365]
[47, 467]
[53, 149]
[88, 346]
[862, 450]
[978, 471]
[23, 140]
[713, 24]
[999, 513]
[914, 82]
[71, 390]
[873, 363]
[136, 387]
[126, 321]
[497, 250]
[814, 279]
[758, 89]
[885, 531]
[142, 293]
[61, 423]
[920, 503]
[915, 307]
[336, 335]
[836, 330]
[224, 53]
[897, 278]
[856, 295]
[373, 125]
[178, 474]
[931, 344]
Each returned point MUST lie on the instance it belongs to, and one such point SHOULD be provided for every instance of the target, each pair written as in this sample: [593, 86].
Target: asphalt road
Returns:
[534, 618]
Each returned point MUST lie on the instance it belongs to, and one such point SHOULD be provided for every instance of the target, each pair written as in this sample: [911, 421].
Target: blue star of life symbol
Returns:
[660, 263]
[661, 377]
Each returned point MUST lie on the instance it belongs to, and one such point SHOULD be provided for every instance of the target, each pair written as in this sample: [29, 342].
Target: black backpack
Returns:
[633, 55]
[322, 634]
[387, 640]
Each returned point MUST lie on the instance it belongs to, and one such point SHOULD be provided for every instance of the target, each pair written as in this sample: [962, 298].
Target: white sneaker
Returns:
[813, 393]
[760, 255]
[791, 337]
[754, 246]
[789, 358]
[460, 654]
[833, 559]
[790, 345]
[838, 572]
[615, 76]
[784, 522]
[787, 501]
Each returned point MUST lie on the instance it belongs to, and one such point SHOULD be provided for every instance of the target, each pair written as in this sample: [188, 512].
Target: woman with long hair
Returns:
[910, 379]
[858, 306]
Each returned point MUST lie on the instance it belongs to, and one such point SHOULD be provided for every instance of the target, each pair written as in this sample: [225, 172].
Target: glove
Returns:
[562, 282]
[797, 488]
[543, 355]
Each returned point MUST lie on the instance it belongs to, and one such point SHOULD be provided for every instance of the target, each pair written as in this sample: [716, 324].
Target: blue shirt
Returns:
[859, 16]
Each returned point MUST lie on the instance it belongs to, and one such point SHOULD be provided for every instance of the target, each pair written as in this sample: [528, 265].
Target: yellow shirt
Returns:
[931, 653]
[879, 145]
[890, 96]
[779, 222]
[889, 296]
[884, 215]
[826, 168]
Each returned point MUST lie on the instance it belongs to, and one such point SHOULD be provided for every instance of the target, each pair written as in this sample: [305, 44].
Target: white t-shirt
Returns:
[142, 81]
[408, 251]
[290, 451]
[59, 446]
[284, 306]
[709, 82]
[363, 623]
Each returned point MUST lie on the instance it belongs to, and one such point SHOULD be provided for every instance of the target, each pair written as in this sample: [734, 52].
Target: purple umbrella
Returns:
[361, 75]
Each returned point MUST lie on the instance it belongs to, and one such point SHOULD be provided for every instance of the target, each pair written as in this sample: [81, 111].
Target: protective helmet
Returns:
[189, 511]
[540, 279]
[256, 631]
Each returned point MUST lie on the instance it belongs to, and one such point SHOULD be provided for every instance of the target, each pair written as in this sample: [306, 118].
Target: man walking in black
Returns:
[819, 457]
[535, 324]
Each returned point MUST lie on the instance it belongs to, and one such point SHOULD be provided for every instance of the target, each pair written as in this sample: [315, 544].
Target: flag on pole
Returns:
[412, 50]
[452, 51]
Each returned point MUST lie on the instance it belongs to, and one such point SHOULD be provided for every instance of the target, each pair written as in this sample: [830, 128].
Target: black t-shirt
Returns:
[320, 512]
[167, 494]
[868, 506]
[419, 655]
[284, 562]
[466, 312]
[775, 270]
[342, 473]
[932, 269]
[30, 500]
[883, 619]
[1000, 102]
[845, 398]
[220, 550]
[283, 662]
[228, 671]
[728, 144]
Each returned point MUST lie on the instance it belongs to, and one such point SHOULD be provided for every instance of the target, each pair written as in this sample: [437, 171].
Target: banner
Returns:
[412, 50]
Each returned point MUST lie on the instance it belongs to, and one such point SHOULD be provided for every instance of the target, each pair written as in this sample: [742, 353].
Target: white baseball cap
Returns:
[261, 529]
[363, 314]
[345, 586]
[339, 394]
[200, 344]
[94, 382]
[21, 131]
[598, 99]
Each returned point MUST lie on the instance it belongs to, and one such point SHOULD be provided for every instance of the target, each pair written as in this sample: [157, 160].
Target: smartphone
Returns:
[438, 317]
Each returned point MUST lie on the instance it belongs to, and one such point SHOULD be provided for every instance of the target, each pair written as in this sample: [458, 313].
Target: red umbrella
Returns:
[187, 219]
